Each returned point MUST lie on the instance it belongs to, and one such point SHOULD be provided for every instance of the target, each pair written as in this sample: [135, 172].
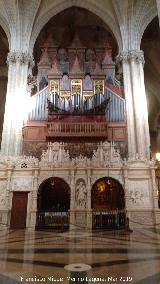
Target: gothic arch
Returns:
[146, 20]
[6, 29]
[58, 6]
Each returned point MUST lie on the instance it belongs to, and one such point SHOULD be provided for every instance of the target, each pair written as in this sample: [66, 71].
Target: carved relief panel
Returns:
[138, 192]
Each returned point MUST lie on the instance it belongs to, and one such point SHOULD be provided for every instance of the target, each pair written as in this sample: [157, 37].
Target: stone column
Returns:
[136, 104]
[136, 59]
[123, 57]
[16, 102]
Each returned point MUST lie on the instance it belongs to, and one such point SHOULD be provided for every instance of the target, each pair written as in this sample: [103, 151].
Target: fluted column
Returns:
[16, 102]
[136, 104]
[123, 58]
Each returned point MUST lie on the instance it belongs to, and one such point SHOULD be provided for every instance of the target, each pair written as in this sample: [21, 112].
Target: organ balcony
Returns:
[99, 117]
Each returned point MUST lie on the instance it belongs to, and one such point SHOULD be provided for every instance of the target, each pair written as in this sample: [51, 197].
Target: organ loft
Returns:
[77, 100]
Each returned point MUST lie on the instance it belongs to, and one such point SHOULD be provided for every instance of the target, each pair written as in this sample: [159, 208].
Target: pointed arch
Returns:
[57, 7]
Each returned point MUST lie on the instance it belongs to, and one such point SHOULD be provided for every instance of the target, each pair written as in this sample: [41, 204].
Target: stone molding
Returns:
[20, 57]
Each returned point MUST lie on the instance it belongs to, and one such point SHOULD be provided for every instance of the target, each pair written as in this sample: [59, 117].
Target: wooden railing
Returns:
[115, 219]
[53, 220]
[77, 129]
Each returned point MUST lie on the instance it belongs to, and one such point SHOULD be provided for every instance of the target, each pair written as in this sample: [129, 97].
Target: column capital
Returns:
[136, 55]
[123, 56]
[21, 57]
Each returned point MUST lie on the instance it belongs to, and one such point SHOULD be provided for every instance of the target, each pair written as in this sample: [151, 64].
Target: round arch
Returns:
[53, 195]
[57, 7]
[107, 194]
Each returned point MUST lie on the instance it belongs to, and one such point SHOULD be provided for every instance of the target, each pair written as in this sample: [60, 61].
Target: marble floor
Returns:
[40, 257]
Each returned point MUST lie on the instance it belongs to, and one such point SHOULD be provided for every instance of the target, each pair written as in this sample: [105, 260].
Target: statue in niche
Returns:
[81, 195]
[65, 83]
[87, 83]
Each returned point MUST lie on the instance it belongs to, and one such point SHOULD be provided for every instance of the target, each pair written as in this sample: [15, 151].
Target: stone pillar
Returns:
[16, 102]
[136, 104]
[129, 103]
[136, 59]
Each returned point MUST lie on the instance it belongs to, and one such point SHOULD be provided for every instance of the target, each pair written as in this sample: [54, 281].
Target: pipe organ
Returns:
[76, 98]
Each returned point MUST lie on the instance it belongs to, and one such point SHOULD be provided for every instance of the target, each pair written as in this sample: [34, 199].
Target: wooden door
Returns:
[19, 210]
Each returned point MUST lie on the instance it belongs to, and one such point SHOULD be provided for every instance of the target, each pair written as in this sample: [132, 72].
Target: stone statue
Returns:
[81, 195]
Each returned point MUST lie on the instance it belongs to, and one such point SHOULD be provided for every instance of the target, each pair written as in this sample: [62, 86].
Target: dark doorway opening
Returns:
[108, 204]
[53, 204]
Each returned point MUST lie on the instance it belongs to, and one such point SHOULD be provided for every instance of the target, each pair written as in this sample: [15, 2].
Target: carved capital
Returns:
[136, 55]
[122, 57]
[21, 57]
[126, 56]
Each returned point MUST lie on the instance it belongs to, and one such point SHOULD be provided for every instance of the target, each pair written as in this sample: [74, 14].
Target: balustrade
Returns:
[78, 128]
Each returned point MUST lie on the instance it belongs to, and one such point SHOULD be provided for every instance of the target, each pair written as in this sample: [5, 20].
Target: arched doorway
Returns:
[53, 203]
[108, 204]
